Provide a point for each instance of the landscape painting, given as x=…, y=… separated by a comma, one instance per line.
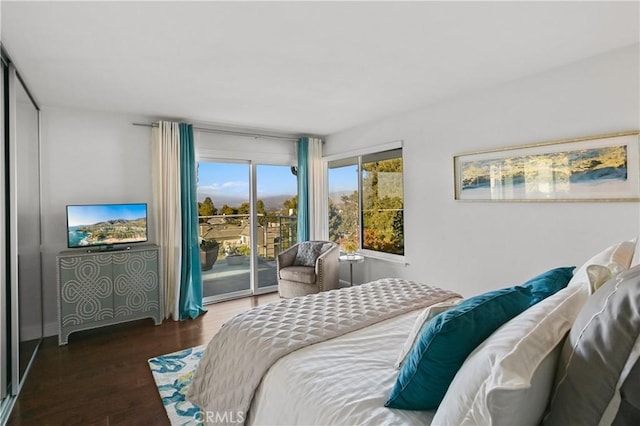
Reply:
x=587, y=169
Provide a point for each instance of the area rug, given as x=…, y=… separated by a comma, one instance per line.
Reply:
x=173, y=373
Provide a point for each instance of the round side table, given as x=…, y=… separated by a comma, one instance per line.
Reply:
x=351, y=259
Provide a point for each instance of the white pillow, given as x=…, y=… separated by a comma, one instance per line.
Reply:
x=425, y=316
x=598, y=275
x=506, y=380
x=620, y=254
x=636, y=256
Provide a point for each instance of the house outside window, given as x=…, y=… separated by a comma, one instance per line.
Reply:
x=366, y=202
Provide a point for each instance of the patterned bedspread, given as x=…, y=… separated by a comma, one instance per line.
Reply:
x=244, y=349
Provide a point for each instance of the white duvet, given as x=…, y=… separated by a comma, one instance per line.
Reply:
x=237, y=358
x=343, y=381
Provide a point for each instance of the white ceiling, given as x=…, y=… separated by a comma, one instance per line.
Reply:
x=303, y=67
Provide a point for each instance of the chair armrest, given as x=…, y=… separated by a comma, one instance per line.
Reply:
x=287, y=257
x=327, y=269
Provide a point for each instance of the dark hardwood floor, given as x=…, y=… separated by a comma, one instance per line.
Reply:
x=102, y=377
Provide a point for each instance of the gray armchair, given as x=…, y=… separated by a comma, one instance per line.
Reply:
x=308, y=267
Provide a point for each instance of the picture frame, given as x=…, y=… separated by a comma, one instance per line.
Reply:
x=594, y=168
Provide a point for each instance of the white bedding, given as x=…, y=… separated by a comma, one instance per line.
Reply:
x=242, y=352
x=315, y=386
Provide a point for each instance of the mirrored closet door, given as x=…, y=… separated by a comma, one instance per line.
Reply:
x=5, y=311
x=21, y=322
x=24, y=194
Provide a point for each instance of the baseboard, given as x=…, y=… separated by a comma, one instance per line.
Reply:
x=50, y=329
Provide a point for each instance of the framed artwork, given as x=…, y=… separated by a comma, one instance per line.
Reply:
x=596, y=168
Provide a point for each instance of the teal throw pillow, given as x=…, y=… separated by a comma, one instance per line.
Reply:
x=549, y=283
x=446, y=341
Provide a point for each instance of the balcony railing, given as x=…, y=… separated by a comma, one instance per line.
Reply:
x=275, y=233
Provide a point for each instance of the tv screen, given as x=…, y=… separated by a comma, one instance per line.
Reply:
x=106, y=224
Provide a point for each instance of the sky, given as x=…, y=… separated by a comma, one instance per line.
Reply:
x=90, y=214
x=232, y=180
x=343, y=179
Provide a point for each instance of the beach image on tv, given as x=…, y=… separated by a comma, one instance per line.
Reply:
x=92, y=225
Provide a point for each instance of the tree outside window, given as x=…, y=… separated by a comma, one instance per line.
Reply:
x=373, y=220
x=382, y=202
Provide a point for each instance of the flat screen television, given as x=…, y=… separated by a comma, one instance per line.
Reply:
x=106, y=225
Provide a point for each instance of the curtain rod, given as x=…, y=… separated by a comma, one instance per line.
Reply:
x=228, y=132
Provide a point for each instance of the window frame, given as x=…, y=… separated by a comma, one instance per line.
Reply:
x=358, y=154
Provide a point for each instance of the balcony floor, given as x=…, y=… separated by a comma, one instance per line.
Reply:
x=223, y=278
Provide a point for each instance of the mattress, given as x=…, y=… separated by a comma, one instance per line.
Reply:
x=342, y=381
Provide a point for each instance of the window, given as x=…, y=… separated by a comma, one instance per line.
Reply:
x=366, y=202
x=344, y=216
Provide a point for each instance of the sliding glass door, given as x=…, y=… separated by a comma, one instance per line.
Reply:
x=224, y=201
x=277, y=199
x=247, y=216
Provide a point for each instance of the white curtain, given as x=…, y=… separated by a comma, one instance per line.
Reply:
x=166, y=206
x=318, y=198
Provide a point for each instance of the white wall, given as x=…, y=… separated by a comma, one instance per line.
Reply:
x=473, y=247
x=87, y=157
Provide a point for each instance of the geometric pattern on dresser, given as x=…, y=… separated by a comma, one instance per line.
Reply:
x=87, y=289
x=135, y=282
x=100, y=289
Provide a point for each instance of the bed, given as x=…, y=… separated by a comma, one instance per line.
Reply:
x=340, y=357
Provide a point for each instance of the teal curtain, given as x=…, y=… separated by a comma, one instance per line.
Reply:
x=190, y=305
x=303, y=189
